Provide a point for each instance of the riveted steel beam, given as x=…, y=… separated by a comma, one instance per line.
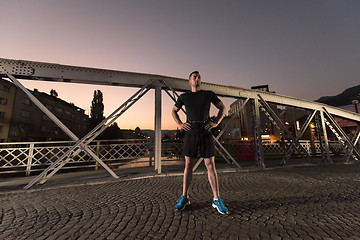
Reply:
x=64, y=73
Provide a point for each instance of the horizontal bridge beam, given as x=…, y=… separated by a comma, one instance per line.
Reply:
x=65, y=73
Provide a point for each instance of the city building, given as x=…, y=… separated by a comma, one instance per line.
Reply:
x=7, y=97
x=242, y=124
x=24, y=121
x=292, y=119
x=243, y=128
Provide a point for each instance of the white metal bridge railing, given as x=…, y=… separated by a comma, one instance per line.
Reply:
x=33, y=156
x=30, y=156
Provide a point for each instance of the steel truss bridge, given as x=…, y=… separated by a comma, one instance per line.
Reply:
x=323, y=115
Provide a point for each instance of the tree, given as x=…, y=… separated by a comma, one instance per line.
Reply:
x=53, y=93
x=137, y=130
x=96, y=109
x=112, y=132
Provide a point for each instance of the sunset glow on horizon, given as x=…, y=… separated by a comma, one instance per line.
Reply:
x=303, y=49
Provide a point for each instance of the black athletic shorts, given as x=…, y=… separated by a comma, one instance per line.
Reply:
x=199, y=143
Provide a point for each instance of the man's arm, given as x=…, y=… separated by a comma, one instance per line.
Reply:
x=219, y=116
x=175, y=115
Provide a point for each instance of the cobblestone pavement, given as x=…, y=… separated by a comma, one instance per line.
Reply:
x=317, y=202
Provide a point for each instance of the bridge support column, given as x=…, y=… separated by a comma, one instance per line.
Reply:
x=259, y=149
x=327, y=158
x=158, y=129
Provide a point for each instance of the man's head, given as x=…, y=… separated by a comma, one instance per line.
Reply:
x=195, y=78
x=194, y=72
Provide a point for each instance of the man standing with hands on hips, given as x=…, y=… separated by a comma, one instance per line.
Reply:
x=198, y=138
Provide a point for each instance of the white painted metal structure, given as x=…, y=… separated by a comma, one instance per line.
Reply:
x=28, y=157
x=18, y=69
x=17, y=157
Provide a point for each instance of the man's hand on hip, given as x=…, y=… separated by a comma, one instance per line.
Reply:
x=210, y=125
x=185, y=126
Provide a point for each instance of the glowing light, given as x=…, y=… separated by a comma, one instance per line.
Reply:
x=267, y=136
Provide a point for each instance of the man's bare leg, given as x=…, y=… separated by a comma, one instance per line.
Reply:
x=212, y=176
x=218, y=204
x=188, y=173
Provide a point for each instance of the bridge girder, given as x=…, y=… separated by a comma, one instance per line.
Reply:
x=64, y=73
x=28, y=70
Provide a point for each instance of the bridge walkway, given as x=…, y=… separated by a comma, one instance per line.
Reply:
x=298, y=202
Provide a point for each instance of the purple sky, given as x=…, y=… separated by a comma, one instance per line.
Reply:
x=305, y=49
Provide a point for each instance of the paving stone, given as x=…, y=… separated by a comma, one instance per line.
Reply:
x=314, y=202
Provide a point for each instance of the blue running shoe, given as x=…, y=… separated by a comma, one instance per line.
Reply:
x=220, y=206
x=182, y=202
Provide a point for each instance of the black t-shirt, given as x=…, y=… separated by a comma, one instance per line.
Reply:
x=197, y=105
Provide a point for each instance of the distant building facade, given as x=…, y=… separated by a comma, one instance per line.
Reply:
x=243, y=124
x=24, y=121
x=7, y=97
x=241, y=127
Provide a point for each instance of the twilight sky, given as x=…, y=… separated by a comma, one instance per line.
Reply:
x=301, y=48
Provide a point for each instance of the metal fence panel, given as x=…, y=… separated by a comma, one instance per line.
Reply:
x=20, y=157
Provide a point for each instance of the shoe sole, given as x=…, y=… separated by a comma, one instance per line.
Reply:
x=216, y=207
x=179, y=210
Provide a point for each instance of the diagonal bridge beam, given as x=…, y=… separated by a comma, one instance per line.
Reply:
x=341, y=135
x=355, y=141
x=306, y=124
x=61, y=125
x=81, y=144
x=294, y=142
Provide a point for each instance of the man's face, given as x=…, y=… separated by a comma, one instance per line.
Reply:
x=195, y=79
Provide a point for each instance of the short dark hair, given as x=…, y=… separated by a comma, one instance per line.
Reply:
x=194, y=72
